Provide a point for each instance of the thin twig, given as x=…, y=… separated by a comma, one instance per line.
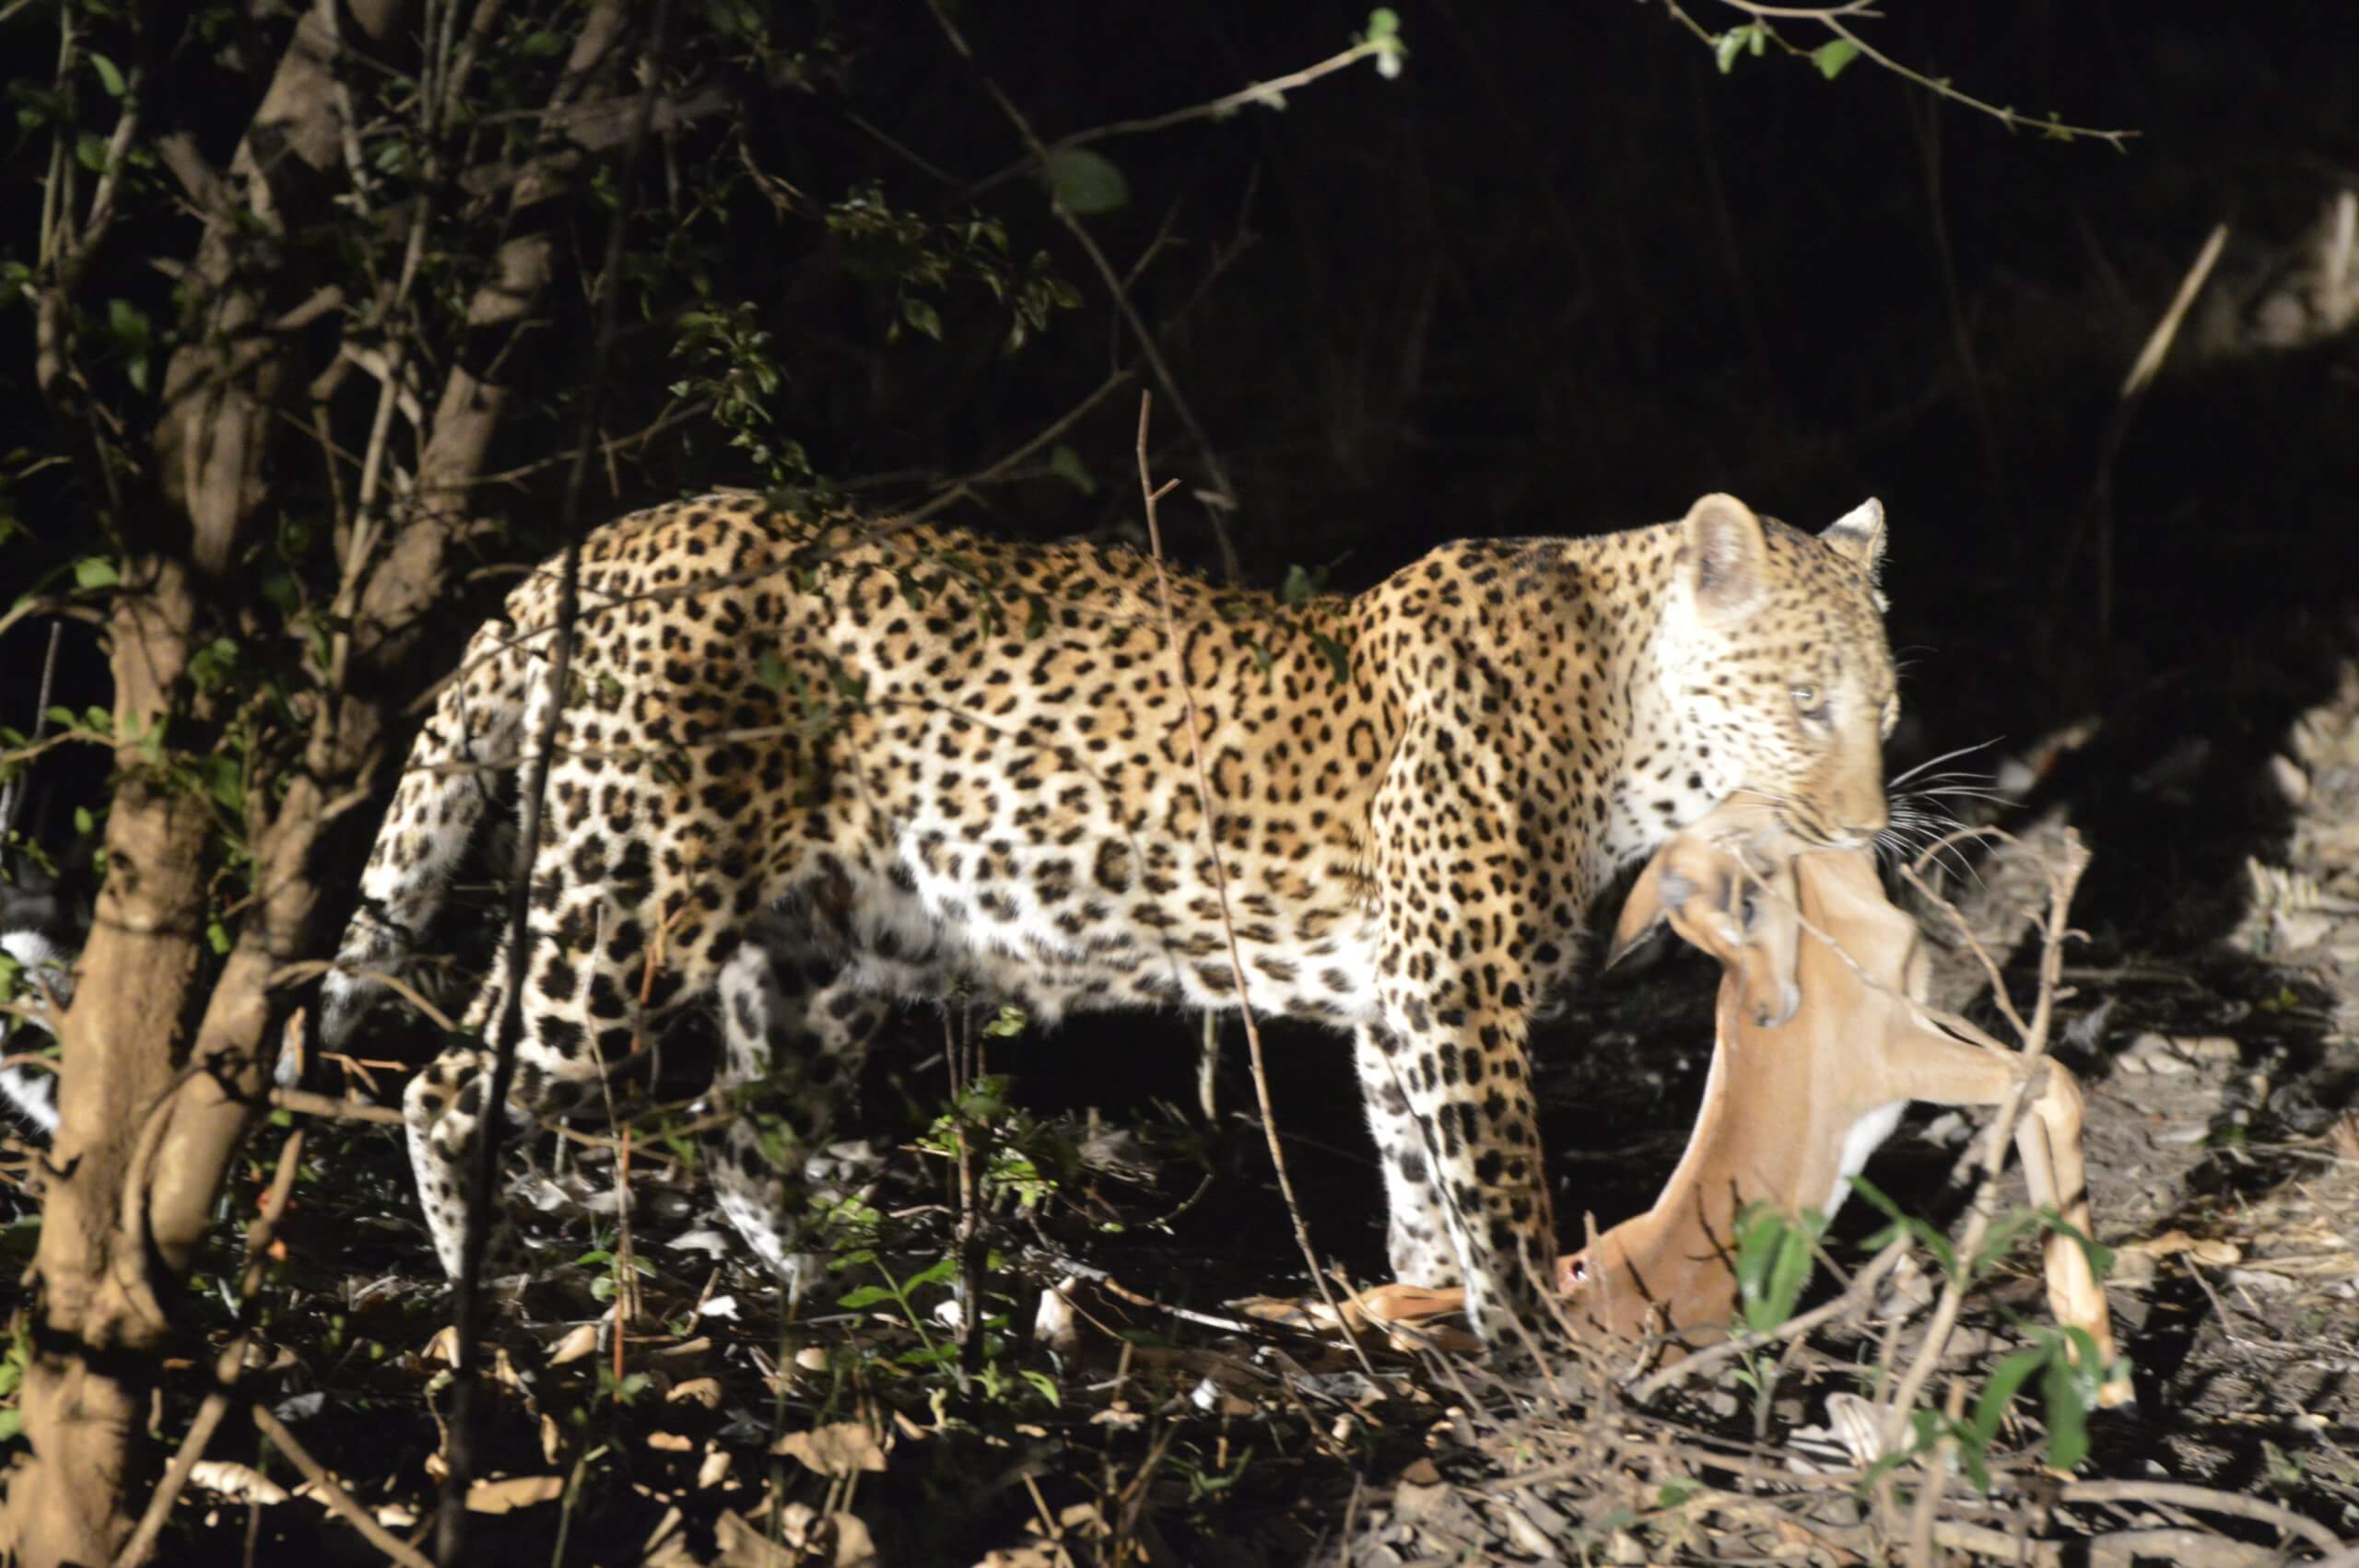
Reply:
x=338, y=1500
x=2062, y=881
x=962, y=488
x=229, y=1364
x=12, y=797
x=1861, y=1292
x=1226, y=500
x=1830, y=18
x=304, y=1102
x=1270, y=92
x=1172, y=643
x=467, y=1411
x=2179, y=1494
x=2098, y=513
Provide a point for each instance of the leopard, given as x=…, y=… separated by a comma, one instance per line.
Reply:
x=807, y=766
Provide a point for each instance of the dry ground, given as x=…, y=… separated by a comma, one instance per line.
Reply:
x=1141, y=1419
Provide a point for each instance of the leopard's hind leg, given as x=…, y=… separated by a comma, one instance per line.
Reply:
x=795, y=1025
x=582, y=1004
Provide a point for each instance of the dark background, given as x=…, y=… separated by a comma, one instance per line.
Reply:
x=1561, y=275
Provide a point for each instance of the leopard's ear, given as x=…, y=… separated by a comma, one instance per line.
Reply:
x=1727, y=559
x=1858, y=536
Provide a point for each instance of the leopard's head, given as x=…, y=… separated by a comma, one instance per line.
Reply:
x=1778, y=674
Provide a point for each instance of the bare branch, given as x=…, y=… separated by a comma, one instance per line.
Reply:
x=1151, y=492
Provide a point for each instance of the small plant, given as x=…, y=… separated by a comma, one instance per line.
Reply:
x=608, y=1284
x=2066, y=1361
x=1773, y=1264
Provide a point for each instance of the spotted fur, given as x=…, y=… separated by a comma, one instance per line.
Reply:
x=820, y=765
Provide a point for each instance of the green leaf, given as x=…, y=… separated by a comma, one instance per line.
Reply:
x=1773, y=1263
x=922, y=316
x=932, y=1355
x=110, y=78
x=91, y=151
x=1045, y=1383
x=1083, y=182
x=2068, y=1416
x=1303, y=583
x=1727, y=47
x=867, y=1295
x=1833, y=55
x=1339, y=658
x=1675, y=1494
x=1997, y=1393
x=2000, y=1239
x=542, y=45
x=216, y=936
x=1917, y=1230
x=1066, y=464
x=96, y=571
x=934, y=1273
x=1383, y=23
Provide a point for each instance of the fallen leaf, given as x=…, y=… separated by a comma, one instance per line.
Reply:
x=670, y=1442
x=2218, y=1254
x=705, y=1391
x=579, y=1342
x=745, y=1546
x=2262, y=1281
x=231, y=1478
x=839, y=1448
x=508, y=1494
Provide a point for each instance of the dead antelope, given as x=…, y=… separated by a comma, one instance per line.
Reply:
x=1822, y=1043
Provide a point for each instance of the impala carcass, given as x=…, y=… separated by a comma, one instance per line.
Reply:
x=1822, y=1041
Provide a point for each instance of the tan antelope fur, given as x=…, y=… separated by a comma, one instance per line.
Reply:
x=1822, y=1041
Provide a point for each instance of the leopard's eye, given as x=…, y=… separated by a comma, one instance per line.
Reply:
x=1811, y=703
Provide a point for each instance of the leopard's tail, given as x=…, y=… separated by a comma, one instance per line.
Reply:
x=455, y=768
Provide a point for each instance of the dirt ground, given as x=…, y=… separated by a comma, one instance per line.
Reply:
x=1119, y=1408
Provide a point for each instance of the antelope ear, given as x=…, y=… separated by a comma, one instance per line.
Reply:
x=1644, y=910
x=1727, y=557
x=1858, y=536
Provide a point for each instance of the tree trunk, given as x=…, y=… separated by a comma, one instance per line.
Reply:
x=98, y=1322
x=149, y=1121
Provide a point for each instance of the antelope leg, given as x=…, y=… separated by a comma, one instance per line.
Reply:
x=1927, y=1065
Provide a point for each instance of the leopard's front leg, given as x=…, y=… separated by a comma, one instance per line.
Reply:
x=1461, y=1071
x=1469, y=894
